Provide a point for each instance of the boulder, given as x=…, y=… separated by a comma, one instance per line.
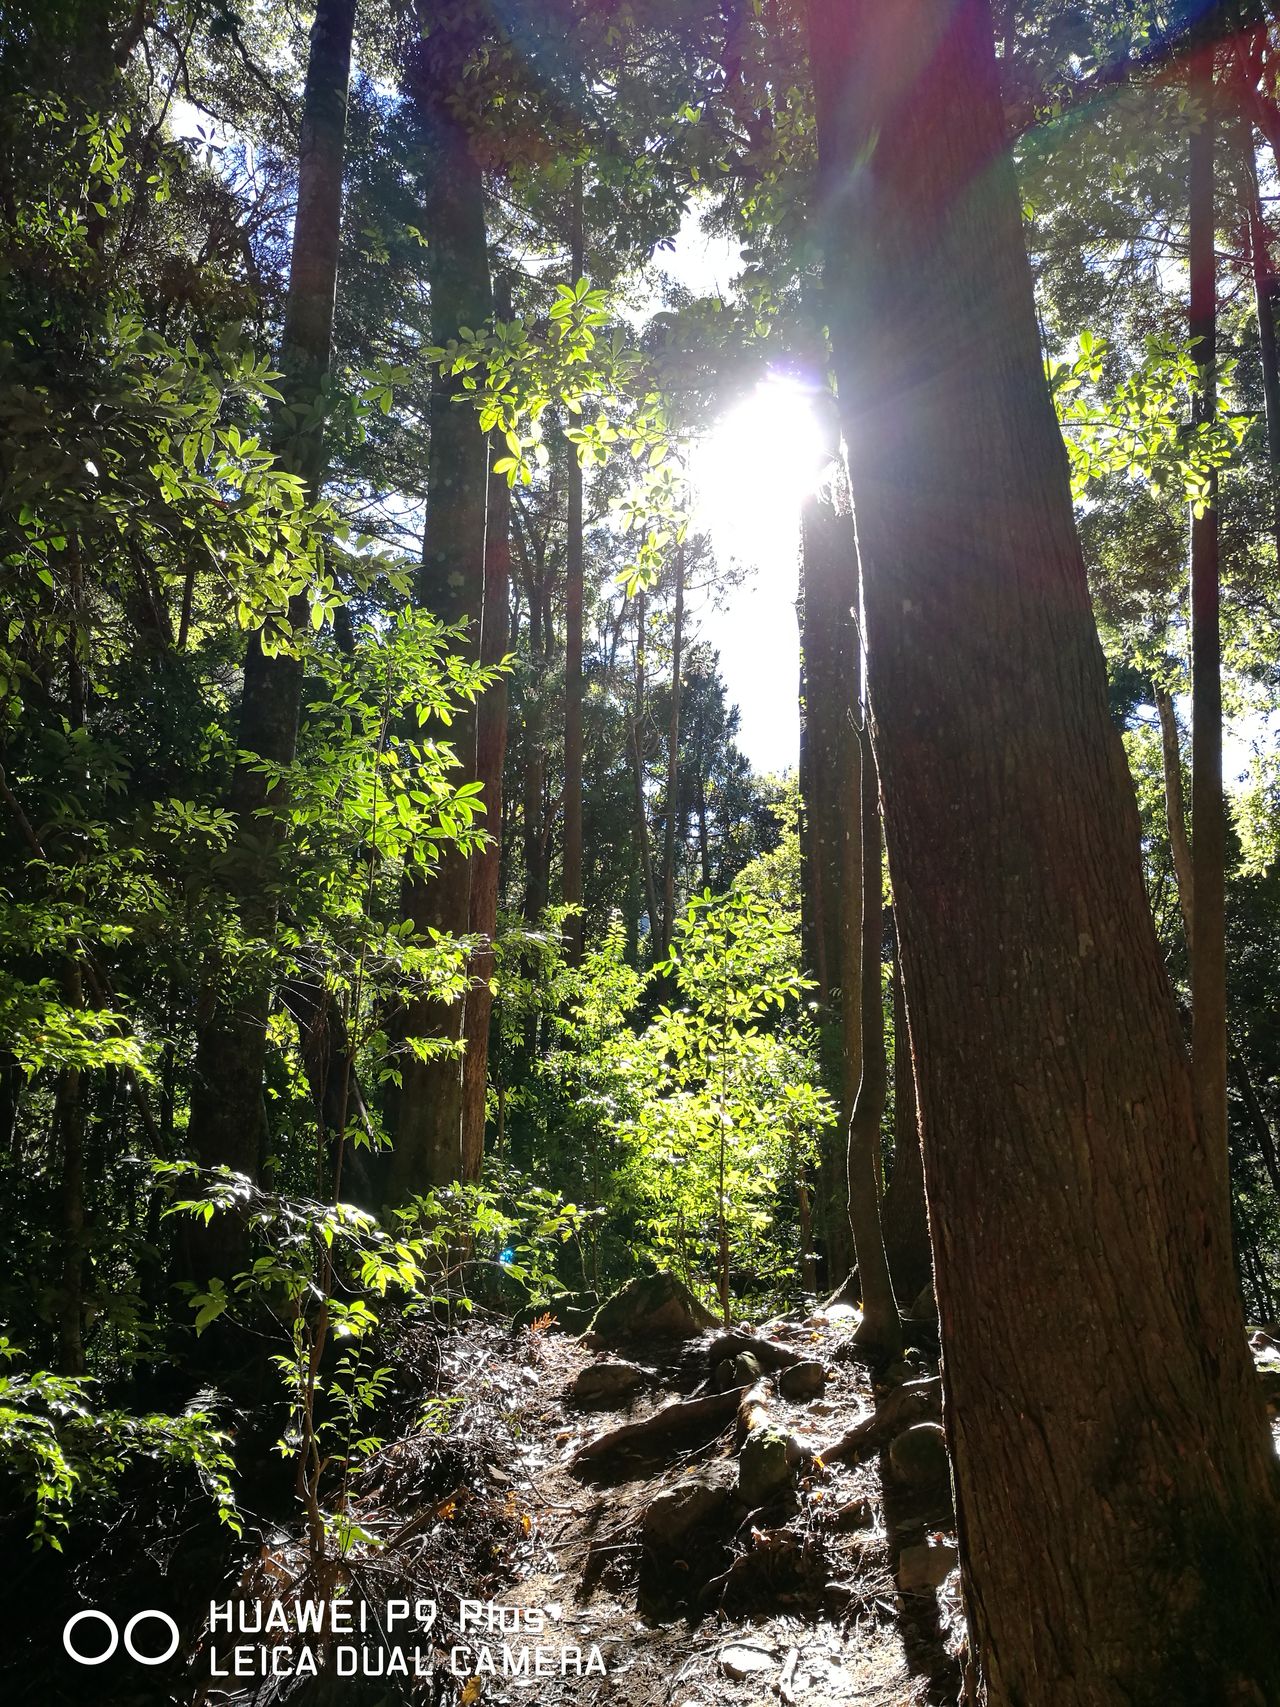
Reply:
x=926, y=1566
x=918, y=1460
x=611, y=1383
x=924, y=1307
x=655, y=1306
x=681, y=1509
x=802, y=1381
x=766, y=1465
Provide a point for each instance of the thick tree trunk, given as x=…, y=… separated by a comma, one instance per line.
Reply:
x=228, y=1117
x=1116, y=1487
x=573, y=685
x=903, y=1215
x=1175, y=811
x=451, y=580
x=1208, y=813
x=673, y=765
x=491, y=749
x=831, y=856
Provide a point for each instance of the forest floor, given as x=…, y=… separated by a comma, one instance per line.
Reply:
x=639, y=1563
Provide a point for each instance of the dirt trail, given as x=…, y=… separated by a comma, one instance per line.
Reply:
x=795, y=1601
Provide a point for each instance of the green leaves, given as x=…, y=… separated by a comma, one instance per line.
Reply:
x=1141, y=425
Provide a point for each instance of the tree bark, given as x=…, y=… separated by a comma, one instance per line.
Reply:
x=830, y=848
x=451, y=581
x=1113, y=1470
x=228, y=1115
x=1175, y=811
x=491, y=748
x=573, y=684
x=1208, y=813
x=673, y=765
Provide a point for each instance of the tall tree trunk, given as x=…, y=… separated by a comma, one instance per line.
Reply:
x=1264, y=287
x=451, y=581
x=491, y=748
x=673, y=765
x=228, y=1116
x=903, y=1214
x=831, y=856
x=1128, y=1486
x=1208, y=814
x=573, y=644
x=1175, y=811
x=637, y=772
x=68, y=1119
x=880, y=1331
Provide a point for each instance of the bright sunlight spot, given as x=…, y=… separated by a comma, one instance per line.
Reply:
x=754, y=469
x=751, y=474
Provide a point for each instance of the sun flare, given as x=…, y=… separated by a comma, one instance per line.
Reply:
x=756, y=467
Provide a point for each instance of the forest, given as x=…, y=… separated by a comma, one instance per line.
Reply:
x=640, y=808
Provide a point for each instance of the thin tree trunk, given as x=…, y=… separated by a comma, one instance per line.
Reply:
x=228, y=1115
x=491, y=748
x=573, y=685
x=1113, y=1470
x=451, y=581
x=903, y=1214
x=831, y=858
x=637, y=763
x=1258, y=1120
x=1175, y=811
x=1208, y=815
x=880, y=1331
x=68, y=1120
x=1264, y=284
x=673, y=765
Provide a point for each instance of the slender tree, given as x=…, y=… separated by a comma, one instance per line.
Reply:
x=573, y=685
x=1208, y=813
x=1116, y=1487
x=491, y=747
x=673, y=763
x=831, y=824
x=903, y=1214
x=228, y=1118
x=880, y=1330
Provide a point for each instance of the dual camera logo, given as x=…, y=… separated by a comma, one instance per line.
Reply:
x=76, y=1640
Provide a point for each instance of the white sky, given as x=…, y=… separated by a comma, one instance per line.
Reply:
x=749, y=502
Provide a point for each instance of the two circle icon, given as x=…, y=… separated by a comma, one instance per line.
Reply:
x=114, y=1636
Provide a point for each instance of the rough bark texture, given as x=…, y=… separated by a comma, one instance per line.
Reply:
x=903, y=1215
x=228, y=1117
x=830, y=846
x=573, y=686
x=1208, y=813
x=491, y=749
x=1116, y=1486
x=451, y=580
